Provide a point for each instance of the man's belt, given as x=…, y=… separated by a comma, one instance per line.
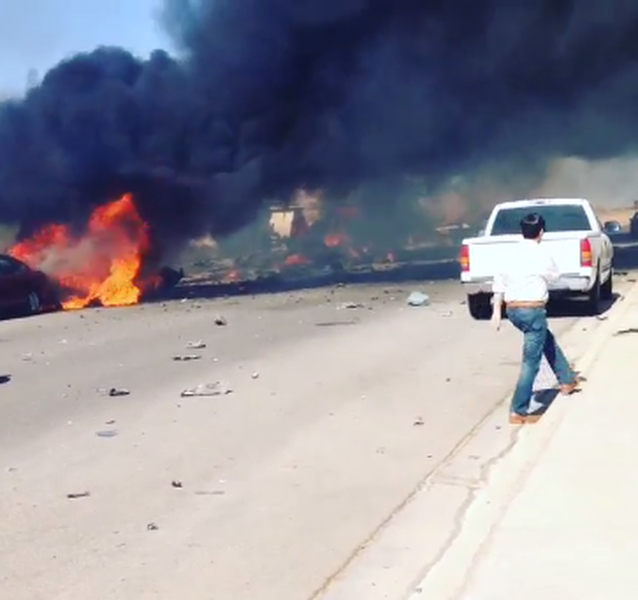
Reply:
x=526, y=304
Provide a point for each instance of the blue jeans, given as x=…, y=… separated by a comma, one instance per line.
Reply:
x=537, y=340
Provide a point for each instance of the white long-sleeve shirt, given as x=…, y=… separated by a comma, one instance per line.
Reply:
x=524, y=273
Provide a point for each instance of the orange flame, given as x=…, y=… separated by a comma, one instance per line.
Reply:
x=296, y=260
x=332, y=240
x=99, y=266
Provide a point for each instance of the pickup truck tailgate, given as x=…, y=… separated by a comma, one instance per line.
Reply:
x=486, y=254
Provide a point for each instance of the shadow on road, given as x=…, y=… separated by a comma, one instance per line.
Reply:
x=543, y=399
x=5, y=379
x=577, y=307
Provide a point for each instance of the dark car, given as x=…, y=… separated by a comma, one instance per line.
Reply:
x=24, y=290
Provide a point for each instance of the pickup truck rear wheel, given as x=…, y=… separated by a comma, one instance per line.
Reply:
x=607, y=288
x=480, y=306
x=594, y=297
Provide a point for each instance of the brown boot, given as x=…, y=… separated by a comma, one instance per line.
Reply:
x=567, y=389
x=531, y=419
x=516, y=419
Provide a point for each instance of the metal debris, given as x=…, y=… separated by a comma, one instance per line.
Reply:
x=106, y=433
x=76, y=495
x=199, y=345
x=351, y=305
x=186, y=357
x=114, y=392
x=217, y=388
x=626, y=331
x=220, y=320
x=418, y=299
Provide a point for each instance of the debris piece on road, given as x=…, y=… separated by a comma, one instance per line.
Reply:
x=351, y=305
x=106, y=433
x=152, y=527
x=255, y=375
x=217, y=388
x=199, y=345
x=114, y=392
x=186, y=357
x=211, y=493
x=76, y=495
x=418, y=299
x=447, y=313
x=626, y=331
x=177, y=484
x=220, y=321
x=418, y=422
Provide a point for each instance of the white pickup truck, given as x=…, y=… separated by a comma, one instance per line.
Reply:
x=576, y=238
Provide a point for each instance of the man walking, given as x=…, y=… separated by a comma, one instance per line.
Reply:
x=523, y=285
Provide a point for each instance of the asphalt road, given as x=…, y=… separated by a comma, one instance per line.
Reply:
x=336, y=414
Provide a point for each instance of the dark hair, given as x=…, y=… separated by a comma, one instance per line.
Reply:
x=532, y=225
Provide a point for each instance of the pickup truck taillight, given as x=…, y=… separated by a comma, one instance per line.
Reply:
x=464, y=258
x=585, y=253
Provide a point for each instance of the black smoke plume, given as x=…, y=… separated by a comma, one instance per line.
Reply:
x=270, y=95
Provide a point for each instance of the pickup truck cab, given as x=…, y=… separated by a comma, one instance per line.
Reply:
x=575, y=237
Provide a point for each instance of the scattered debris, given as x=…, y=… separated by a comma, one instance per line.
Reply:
x=626, y=331
x=418, y=299
x=110, y=422
x=186, y=357
x=113, y=392
x=152, y=527
x=177, y=484
x=27, y=357
x=106, y=433
x=199, y=345
x=221, y=321
x=418, y=422
x=76, y=495
x=351, y=305
x=255, y=375
x=216, y=388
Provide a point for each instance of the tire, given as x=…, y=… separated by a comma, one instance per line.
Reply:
x=480, y=306
x=594, y=297
x=607, y=288
x=34, y=303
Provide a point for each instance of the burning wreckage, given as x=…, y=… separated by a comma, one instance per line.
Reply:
x=110, y=261
x=104, y=265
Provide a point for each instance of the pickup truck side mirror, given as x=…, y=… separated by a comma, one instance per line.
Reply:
x=612, y=227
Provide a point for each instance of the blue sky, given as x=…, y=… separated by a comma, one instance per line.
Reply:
x=36, y=34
